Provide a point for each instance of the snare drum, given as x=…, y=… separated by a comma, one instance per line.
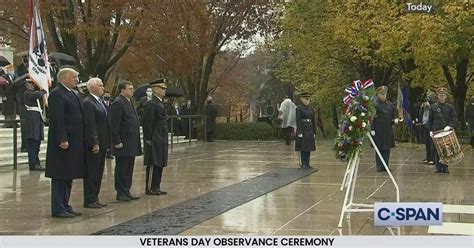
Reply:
x=447, y=145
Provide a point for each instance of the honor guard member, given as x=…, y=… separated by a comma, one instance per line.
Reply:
x=305, y=130
x=155, y=134
x=34, y=127
x=382, y=131
x=442, y=117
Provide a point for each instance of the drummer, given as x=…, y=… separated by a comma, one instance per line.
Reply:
x=442, y=118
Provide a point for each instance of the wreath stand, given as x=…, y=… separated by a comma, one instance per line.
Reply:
x=349, y=182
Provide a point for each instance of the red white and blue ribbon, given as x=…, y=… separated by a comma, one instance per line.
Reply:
x=354, y=90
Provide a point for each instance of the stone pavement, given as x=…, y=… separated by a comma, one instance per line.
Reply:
x=308, y=206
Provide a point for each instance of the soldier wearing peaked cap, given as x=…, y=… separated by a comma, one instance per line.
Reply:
x=305, y=130
x=382, y=132
x=442, y=117
x=155, y=135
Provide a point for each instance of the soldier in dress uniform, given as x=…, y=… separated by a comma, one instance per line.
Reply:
x=442, y=117
x=305, y=130
x=155, y=135
x=34, y=127
x=382, y=131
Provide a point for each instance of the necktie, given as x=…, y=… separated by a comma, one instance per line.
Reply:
x=102, y=103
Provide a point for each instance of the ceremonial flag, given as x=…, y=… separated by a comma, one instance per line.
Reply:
x=38, y=57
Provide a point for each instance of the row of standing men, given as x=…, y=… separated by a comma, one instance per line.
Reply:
x=82, y=130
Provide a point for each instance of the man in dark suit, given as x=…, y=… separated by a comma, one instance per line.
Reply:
x=211, y=113
x=97, y=141
x=65, y=158
x=155, y=134
x=143, y=101
x=125, y=131
x=34, y=127
x=188, y=110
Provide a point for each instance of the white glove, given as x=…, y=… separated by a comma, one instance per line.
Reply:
x=372, y=133
x=447, y=128
x=431, y=134
x=467, y=124
x=396, y=121
x=300, y=135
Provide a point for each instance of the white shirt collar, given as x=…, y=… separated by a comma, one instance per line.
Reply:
x=65, y=87
x=96, y=97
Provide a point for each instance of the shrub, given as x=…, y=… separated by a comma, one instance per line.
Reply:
x=244, y=131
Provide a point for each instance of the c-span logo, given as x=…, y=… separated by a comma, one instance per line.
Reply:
x=408, y=213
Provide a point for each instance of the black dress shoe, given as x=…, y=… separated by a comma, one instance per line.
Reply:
x=162, y=192
x=150, y=192
x=132, y=197
x=37, y=168
x=76, y=213
x=64, y=215
x=123, y=198
x=102, y=204
x=93, y=205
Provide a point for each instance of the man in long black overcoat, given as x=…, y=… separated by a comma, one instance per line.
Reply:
x=125, y=132
x=97, y=141
x=65, y=158
x=155, y=134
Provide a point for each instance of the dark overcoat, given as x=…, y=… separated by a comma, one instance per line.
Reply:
x=211, y=114
x=125, y=128
x=96, y=122
x=66, y=123
x=155, y=129
x=382, y=124
x=306, y=126
x=34, y=127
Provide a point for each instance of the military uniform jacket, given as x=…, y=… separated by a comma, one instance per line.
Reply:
x=124, y=128
x=382, y=124
x=155, y=130
x=66, y=123
x=34, y=127
x=442, y=115
x=305, y=125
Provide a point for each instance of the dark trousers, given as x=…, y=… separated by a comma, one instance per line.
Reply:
x=95, y=170
x=33, y=150
x=305, y=156
x=472, y=141
x=428, y=144
x=386, y=158
x=440, y=167
x=60, y=193
x=24, y=142
x=287, y=134
x=123, y=174
x=153, y=178
x=209, y=136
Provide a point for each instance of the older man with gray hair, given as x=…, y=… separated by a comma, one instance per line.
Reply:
x=97, y=141
x=65, y=158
